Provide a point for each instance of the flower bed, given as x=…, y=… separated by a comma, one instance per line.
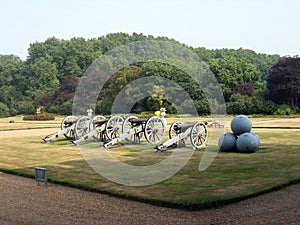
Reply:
x=39, y=117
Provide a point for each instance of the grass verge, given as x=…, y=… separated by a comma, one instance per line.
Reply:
x=231, y=177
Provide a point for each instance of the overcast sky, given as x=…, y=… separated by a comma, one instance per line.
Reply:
x=265, y=26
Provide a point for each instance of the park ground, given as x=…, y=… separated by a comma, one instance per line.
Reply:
x=23, y=202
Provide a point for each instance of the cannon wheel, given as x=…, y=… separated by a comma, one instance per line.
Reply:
x=67, y=121
x=154, y=130
x=173, y=132
x=127, y=126
x=93, y=126
x=82, y=126
x=199, y=135
x=114, y=127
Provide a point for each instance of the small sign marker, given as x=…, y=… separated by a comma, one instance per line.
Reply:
x=41, y=175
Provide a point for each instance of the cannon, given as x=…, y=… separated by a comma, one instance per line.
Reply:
x=133, y=129
x=99, y=128
x=75, y=128
x=180, y=131
x=67, y=129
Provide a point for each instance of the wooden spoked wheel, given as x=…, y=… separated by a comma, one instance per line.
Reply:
x=95, y=122
x=114, y=127
x=82, y=126
x=199, y=135
x=154, y=130
x=67, y=122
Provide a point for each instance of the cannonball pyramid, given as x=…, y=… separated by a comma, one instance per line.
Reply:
x=241, y=139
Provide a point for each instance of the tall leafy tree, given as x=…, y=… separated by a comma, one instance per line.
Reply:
x=10, y=69
x=231, y=72
x=10, y=80
x=42, y=75
x=262, y=62
x=67, y=89
x=119, y=80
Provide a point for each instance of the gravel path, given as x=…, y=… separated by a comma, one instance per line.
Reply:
x=23, y=202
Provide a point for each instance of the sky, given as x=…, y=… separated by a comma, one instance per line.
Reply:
x=265, y=26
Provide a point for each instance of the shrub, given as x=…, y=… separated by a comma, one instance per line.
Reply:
x=103, y=107
x=25, y=107
x=242, y=104
x=4, y=110
x=239, y=104
x=65, y=108
x=51, y=108
x=284, y=110
x=202, y=106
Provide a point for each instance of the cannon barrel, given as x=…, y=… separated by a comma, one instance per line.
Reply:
x=69, y=123
x=138, y=121
x=182, y=127
x=99, y=123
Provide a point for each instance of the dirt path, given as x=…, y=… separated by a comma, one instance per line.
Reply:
x=23, y=202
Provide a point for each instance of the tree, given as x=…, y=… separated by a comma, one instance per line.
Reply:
x=118, y=81
x=231, y=72
x=42, y=100
x=262, y=62
x=244, y=89
x=40, y=79
x=10, y=80
x=10, y=67
x=67, y=89
x=284, y=82
x=42, y=75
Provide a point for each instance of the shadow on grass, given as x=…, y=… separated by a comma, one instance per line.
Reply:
x=228, y=167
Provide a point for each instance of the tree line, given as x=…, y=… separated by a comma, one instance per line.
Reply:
x=251, y=82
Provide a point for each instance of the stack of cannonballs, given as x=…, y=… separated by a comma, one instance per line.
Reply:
x=241, y=139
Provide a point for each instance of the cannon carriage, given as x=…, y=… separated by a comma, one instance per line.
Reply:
x=117, y=129
x=134, y=128
x=100, y=128
x=67, y=129
x=82, y=128
x=180, y=131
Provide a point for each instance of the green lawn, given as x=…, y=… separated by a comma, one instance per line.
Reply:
x=231, y=176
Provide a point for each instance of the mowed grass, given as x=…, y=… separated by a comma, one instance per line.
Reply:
x=16, y=123
x=231, y=176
